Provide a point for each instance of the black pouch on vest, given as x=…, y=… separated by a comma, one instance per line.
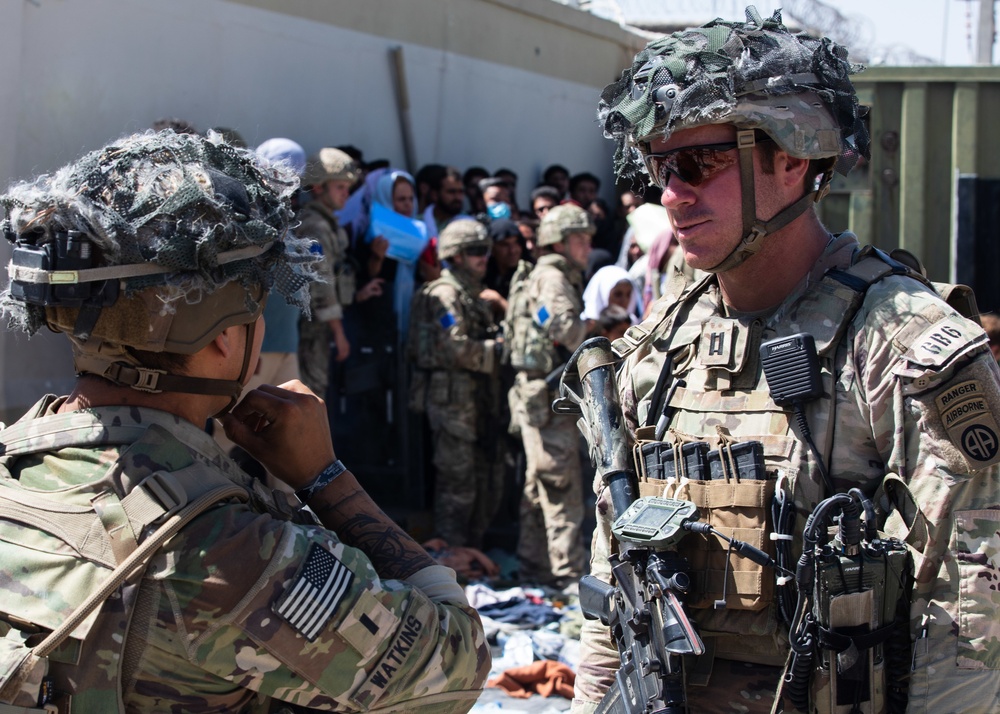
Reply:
x=662, y=460
x=742, y=461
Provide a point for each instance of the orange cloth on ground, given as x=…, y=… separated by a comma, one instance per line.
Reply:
x=545, y=677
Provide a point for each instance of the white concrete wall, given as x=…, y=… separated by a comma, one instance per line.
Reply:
x=78, y=73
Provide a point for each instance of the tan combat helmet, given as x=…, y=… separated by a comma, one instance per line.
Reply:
x=562, y=221
x=460, y=234
x=329, y=165
x=756, y=75
x=154, y=243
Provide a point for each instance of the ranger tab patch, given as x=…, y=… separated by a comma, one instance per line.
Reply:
x=970, y=424
x=313, y=596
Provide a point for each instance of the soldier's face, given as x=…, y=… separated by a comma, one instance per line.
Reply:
x=707, y=218
x=474, y=264
x=578, y=248
x=334, y=194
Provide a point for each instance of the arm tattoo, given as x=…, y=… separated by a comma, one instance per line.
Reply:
x=392, y=552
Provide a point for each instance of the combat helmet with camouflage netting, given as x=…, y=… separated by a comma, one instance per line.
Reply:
x=562, y=221
x=155, y=243
x=755, y=75
x=461, y=234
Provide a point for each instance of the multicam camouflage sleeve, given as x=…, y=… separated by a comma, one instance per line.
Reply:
x=931, y=390
x=325, y=301
x=291, y=613
x=562, y=303
x=455, y=346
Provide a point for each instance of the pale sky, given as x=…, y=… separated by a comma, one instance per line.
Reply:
x=937, y=29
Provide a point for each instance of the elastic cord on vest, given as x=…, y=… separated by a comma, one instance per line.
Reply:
x=754, y=230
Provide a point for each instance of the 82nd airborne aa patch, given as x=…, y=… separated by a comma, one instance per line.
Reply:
x=971, y=426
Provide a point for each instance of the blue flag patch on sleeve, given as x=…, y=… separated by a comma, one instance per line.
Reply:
x=542, y=316
x=312, y=598
x=447, y=320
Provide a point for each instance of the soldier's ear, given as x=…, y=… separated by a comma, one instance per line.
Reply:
x=790, y=170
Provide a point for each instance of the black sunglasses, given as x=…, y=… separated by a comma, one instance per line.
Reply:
x=476, y=251
x=694, y=165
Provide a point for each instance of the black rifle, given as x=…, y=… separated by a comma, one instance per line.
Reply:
x=643, y=609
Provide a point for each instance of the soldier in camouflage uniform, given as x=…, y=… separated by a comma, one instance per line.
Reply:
x=453, y=345
x=174, y=242
x=329, y=175
x=544, y=327
x=736, y=121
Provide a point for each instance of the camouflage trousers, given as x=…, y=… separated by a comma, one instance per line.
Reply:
x=468, y=487
x=314, y=356
x=549, y=549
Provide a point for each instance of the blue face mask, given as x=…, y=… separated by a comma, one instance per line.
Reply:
x=498, y=211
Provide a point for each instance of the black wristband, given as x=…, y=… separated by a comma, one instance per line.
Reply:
x=324, y=479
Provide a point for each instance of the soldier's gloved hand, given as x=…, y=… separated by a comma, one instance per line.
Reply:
x=286, y=429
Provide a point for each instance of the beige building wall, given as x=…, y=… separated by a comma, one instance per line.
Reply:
x=490, y=82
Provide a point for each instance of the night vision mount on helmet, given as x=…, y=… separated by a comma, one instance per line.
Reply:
x=155, y=243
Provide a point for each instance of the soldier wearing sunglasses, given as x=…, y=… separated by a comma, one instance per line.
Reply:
x=742, y=125
x=453, y=344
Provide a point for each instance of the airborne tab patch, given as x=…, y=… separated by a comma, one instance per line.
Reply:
x=312, y=598
x=970, y=424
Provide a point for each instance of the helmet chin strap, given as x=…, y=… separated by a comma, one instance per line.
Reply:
x=121, y=368
x=754, y=229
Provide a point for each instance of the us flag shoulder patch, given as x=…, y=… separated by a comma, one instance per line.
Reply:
x=311, y=599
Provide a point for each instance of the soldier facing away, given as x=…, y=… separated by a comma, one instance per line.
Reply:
x=544, y=325
x=742, y=125
x=454, y=347
x=174, y=242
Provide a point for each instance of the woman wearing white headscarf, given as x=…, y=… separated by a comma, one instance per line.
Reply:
x=611, y=285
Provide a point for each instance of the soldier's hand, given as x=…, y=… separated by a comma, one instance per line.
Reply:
x=286, y=429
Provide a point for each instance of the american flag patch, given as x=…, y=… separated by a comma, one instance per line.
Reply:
x=313, y=596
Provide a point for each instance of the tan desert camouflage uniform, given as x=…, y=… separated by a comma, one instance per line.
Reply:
x=452, y=342
x=327, y=299
x=223, y=617
x=549, y=547
x=915, y=393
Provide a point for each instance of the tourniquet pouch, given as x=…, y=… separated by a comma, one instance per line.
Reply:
x=735, y=505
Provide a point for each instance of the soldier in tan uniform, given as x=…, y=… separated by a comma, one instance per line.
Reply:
x=742, y=125
x=544, y=326
x=329, y=175
x=454, y=347
x=209, y=592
